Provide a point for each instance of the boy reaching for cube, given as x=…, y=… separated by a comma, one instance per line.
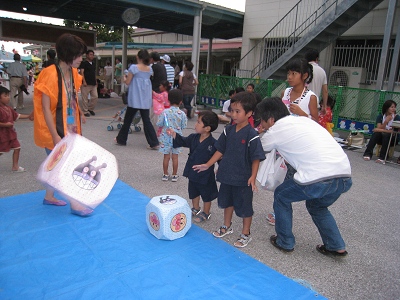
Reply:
x=201, y=147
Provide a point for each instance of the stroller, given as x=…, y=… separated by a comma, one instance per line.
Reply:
x=119, y=119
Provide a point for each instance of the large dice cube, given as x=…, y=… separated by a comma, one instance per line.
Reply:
x=168, y=217
x=80, y=170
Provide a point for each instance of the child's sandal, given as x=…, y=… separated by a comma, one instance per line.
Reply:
x=242, y=241
x=201, y=217
x=195, y=212
x=223, y=231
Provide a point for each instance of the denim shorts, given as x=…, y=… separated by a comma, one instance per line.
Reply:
x=208, y=192
x=240, y=197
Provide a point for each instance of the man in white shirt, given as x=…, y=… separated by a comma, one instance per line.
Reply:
x=18, y=77
x=323, y=173
x=319, y=82
x=108, y=69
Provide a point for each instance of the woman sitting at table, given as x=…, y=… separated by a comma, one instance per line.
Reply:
x=383, y=131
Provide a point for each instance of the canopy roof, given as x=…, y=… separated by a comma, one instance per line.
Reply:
x=171, y=16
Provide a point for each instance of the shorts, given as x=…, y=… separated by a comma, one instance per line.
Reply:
x=9, y=145
x=240, y=197
x=208, y=192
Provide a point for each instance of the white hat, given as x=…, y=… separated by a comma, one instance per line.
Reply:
x=166, y=58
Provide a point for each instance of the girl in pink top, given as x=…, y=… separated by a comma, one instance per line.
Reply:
x=160, y=101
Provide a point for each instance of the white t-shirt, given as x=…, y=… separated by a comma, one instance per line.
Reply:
x=319, y=79
x=183, y=74
x=225, y=108
x=108, y=70
x=309, y=148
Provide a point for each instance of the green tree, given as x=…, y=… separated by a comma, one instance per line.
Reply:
x=104, y=34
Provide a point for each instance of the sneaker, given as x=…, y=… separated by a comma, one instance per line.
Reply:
x=175, y=178
x=87, y=115
x=367, y=158
x=92, y=112
x=242, y=241
x=165, y=177
x=223, y=231
x=380, y=161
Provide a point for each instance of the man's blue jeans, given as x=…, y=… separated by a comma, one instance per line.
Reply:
x=318, y=196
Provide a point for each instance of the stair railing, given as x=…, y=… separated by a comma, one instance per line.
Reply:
x=301, y=19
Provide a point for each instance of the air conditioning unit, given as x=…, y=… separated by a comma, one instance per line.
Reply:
x=353, y=105
x=344, y=76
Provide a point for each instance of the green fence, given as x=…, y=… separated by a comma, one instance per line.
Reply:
x=354, y=108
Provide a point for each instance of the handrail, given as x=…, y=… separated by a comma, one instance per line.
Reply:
x=306, y=15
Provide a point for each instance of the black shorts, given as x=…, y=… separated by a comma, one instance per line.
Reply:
x=240, y=197
x=208, y=192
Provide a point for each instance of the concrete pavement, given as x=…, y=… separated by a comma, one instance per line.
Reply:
x=368, y=215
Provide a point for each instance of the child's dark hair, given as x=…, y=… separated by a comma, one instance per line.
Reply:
x=209, y=118
x=252, y=85
x=272, y=108
x=301, y=66
x=247, y=100
x=166, y=85
x=331, y=102
x=4, y=90
x=175, y=97
x=231, y=92
x=387, y=105
x=144, y=56
x=239, y=89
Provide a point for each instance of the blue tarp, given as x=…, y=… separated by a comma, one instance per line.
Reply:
x=48, y=253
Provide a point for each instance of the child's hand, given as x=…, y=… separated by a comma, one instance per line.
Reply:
x=31, y=116
x=252, y=182
x=8, y=124
x=200, y=168
x=171, y=132
x=295, y=109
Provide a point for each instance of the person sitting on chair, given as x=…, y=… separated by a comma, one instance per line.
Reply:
x=382, y=132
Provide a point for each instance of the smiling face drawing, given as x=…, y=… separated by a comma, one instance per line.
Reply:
x=178, y=222
x=154, y=221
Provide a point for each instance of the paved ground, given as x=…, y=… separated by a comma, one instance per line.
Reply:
x=368, y=215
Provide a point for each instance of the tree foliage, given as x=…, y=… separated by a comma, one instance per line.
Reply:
x=104, y=33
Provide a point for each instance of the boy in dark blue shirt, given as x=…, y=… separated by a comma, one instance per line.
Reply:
x=201, y=145
x=240, y=151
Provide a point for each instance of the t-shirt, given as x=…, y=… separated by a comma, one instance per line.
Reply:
x=309, y=148
x=159, y=75
x=199, y=153
x=118, y=69
x=170, y=73
x=319, y=79
x=226, y=106
x=89, y=72
x=108, y=70
x=239, y=150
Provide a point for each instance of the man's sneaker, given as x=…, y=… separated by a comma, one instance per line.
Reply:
x=242, y=241
x=92, y=112
x=174, y=178
x=165, y=177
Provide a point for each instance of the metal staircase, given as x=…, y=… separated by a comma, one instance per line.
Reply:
x=309, y=24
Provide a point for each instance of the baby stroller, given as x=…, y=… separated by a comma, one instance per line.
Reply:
x=119, y=119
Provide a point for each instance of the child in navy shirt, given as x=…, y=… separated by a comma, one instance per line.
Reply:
x=201, y=145
x=240, y=151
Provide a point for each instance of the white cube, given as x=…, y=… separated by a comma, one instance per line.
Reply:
x=80, y=170
x=168, y=217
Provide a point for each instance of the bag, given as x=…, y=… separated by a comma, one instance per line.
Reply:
x=125, y=97
x=272, y=171
x=355, y=139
